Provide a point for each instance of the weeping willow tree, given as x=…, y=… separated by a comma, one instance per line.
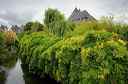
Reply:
x=56, y=22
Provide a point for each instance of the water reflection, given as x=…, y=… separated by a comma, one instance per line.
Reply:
x=13, y=72
x=15, y=75
x=31, y=78
x=2, y=76
x=7, y=61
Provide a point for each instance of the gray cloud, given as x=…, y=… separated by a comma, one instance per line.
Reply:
x=16, y=18
x=21, y=11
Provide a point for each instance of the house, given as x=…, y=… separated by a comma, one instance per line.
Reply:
x=3, y=28
x=13, y=28
x=79, y=15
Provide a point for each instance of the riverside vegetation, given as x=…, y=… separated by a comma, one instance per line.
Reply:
x=91, y=52
x=7, y=57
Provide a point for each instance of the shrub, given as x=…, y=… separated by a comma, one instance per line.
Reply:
x=10, y=37
x=33, y=27
x=93, y=57
x=1, y=40
x=7, y=59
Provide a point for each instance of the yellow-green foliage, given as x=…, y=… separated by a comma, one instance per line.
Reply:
x=7, y=59
x=10, y=37
x=91, y=54
x=35, y=41
x=1, y=39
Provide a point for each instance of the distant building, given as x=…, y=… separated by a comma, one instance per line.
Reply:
x=16, y=28
x=13, y=28
x=79, y=15
x=3, y=28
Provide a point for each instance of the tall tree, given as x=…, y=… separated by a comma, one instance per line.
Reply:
x=37, y=26
x=52, y=15
x=56, y=22
x=33, y=26
x=27, y=26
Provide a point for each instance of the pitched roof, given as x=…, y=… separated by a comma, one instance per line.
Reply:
x=78, y=15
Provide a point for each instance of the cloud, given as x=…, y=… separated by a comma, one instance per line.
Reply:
x=2, y=21
x=16, y=18
x=21, y=11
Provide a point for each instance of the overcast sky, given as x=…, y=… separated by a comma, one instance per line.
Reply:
x=21, y=11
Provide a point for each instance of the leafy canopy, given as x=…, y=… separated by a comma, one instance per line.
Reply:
x=33, y=26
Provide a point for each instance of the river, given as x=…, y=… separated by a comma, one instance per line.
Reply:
x=15, y=75
x=12, y=73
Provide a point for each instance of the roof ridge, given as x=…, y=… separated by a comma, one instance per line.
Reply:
x=80, y=15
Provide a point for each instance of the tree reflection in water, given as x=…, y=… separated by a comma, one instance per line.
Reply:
x=31, y=78
x=7, y=61
x=2, y=76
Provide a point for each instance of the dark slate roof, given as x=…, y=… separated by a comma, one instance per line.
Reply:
x=78, y=15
